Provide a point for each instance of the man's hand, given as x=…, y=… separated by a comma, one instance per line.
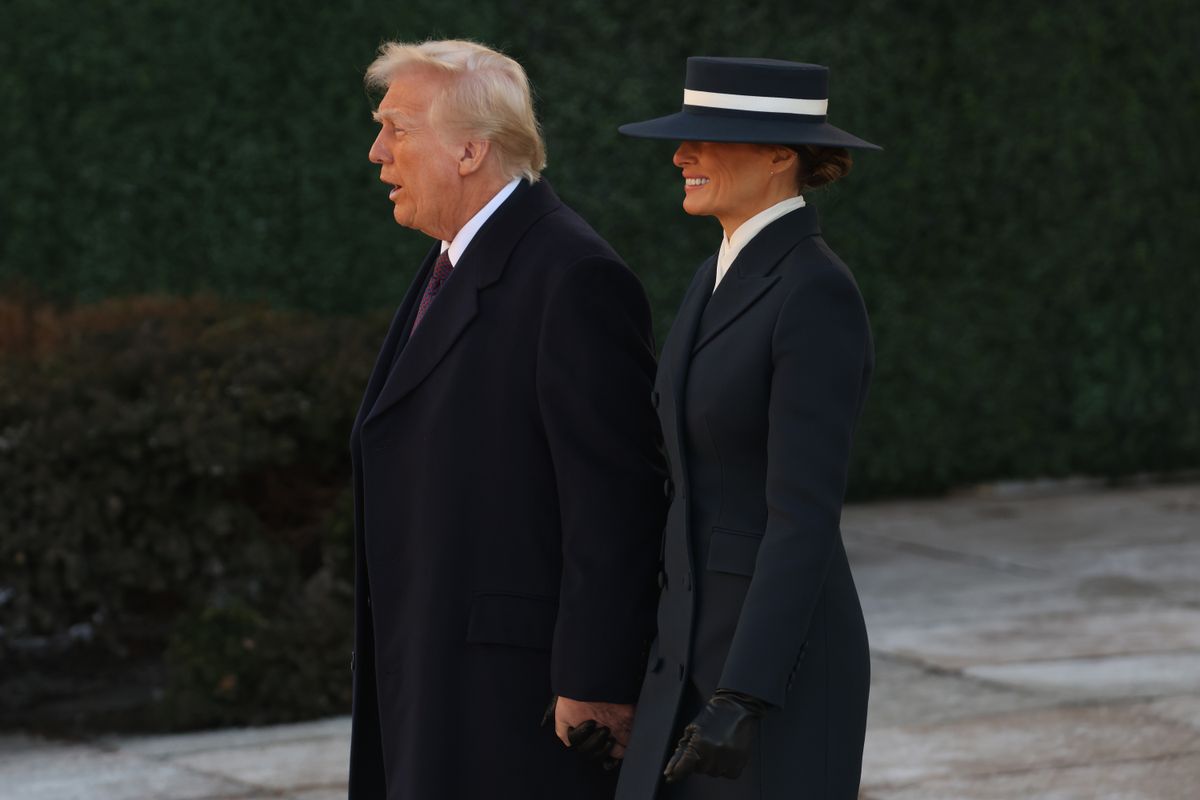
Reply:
x=718, y=740
x=571, y=715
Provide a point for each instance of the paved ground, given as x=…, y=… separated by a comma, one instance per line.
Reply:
x=1026, y=645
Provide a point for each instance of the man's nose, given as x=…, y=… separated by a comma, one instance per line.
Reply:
x=379, y=153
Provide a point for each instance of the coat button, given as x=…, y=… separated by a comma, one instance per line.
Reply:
x=654, y=399
x=662, y=579
x=668, y=489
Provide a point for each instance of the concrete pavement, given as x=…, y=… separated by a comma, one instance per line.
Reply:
x=1033, y=646
x=1028, y=643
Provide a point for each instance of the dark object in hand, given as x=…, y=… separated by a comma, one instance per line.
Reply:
x=593, y=742
x=718, y=740
x=589, y=740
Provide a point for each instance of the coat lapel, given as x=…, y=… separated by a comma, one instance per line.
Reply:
x=456, y=306
x=397, y=336
x=683, y=331
x=749, y=275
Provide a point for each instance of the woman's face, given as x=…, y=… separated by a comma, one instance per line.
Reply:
x=732, y=181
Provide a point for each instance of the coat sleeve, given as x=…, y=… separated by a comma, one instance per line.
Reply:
x=595, y=372
x=821, y=355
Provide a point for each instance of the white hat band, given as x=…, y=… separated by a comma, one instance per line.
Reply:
x=750, y=102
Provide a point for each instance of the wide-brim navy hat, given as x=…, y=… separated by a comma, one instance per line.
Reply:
x=759, y=100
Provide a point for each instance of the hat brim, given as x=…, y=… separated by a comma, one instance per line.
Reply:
x=688, y=126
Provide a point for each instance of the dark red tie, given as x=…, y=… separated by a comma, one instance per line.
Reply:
x=441, y=271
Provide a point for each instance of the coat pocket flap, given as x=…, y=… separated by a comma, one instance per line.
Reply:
x=733, y=551
x=513, y=620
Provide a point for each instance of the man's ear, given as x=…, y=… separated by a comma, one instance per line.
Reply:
x=473, y=155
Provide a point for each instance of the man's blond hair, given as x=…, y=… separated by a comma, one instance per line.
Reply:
x=487, y=97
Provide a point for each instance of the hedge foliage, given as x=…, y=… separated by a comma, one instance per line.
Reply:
x=175, y=487
x=1023, y=243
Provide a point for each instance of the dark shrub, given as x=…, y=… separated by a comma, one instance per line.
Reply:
x=172, y=471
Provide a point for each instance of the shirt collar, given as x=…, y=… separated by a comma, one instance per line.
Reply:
x=748, y=229
x=468, y=231
x=732, y=245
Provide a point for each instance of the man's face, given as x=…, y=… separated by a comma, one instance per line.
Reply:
x=416, y=159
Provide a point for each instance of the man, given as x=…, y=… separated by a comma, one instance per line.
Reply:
x=508, y=481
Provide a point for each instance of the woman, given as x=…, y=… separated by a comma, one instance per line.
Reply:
x=757, y=684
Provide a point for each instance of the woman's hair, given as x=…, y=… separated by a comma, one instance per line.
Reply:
x=818, y=166
x=488, y=96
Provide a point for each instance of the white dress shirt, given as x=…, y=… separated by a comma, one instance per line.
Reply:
x=468, y=231
x=732, y=245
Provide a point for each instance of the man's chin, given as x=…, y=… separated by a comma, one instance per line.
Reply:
x=407, y=221
x=402, y=217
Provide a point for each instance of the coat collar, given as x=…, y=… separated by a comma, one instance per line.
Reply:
x=752, y=273
x=481, y=265
x=702, y=317
x=763, y=253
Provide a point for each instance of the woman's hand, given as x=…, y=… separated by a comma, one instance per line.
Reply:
x=719, y=739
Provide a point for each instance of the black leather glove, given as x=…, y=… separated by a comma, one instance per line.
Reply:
x=718, y=740
x=591, y=741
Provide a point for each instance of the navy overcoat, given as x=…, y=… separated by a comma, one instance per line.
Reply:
x=759, y=389
x=509, y=502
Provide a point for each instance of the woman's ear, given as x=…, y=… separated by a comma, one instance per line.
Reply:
x=782, y=158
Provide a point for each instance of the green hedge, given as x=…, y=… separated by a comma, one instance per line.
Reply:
x=175, y=492
x=1023, y=243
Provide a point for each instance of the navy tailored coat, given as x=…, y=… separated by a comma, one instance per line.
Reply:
x=759, y=388
x=509, y=501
